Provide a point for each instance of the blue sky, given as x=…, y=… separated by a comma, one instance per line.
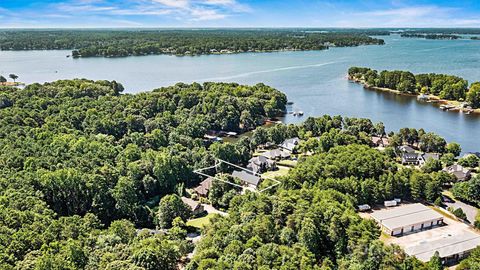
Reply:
x=239, y=13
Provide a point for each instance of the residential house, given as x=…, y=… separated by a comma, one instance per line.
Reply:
x=405, y=149
x=195, y=206
x=276, y=154
x=290, y=144
x=247, y=179
x=204, y=187
x=410, y=158
x=380, y=141
x=422, y=158
x=418, y=158
x=460, y=173
x=260, y=164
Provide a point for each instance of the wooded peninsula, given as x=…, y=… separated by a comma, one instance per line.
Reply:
x=454, y=91
x=119, y=43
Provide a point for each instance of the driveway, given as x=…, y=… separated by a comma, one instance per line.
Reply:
x=212, y=210
x=470, y=211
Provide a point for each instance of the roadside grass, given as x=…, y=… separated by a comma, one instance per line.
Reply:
x=200, y=222
x=444, y=213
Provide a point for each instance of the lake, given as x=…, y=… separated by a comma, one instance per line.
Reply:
x=315, y=81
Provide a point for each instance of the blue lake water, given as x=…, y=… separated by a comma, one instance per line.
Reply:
x=315, y=81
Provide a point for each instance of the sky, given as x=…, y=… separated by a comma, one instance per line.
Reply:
x=238, y=13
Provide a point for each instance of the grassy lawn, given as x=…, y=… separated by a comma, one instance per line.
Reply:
x=287, y=163
x=282, y=171
x=200, y=222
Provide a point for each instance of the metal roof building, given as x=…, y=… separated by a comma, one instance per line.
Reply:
x=407, y=218
x=449, y=247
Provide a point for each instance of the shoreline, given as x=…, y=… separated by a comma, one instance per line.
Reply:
x=12, y=84
x=450, y=105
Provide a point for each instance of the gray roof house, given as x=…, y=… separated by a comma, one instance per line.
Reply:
x=276, y=154
x=290, y=144
x=260, y=164
x=422, y=158
x=410, y=158
x=461, y=173
x=247, y=178
x=406, y=149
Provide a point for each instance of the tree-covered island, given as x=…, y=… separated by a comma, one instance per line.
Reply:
x=118, y=43
x=453, y=92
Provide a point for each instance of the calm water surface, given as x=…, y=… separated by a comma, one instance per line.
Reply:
x=315, y=81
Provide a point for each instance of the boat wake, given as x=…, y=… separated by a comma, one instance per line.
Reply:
x=247, y=74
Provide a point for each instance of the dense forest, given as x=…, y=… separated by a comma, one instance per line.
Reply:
x=430, y=36
x=444, y=86
x=116, y=43
x=79, y=159
x=87, y=170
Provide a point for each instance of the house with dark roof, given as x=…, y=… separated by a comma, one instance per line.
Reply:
x=260, y=164
x=247, y=179
x=195, y=206
x=418, y=158
x=460, y=173
x=203, y=188
x=290, y=144
x=410, y=158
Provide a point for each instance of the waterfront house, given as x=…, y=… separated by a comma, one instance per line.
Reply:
x=247, y=179
x=203, y=188
x=195, y=206
x=460, y=173
x=290, y=144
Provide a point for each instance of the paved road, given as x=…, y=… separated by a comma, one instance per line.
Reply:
x=469, y=210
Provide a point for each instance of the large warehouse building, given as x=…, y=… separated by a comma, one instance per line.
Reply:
x=407, y=219
x=451, y=247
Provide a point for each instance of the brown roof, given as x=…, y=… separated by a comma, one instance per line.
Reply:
x=191, y=203
x=204, y=187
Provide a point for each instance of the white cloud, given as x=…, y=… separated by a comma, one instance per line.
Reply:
x=174, y=3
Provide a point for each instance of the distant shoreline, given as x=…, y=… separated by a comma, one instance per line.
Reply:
x=454, y=106
x=12, y=84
